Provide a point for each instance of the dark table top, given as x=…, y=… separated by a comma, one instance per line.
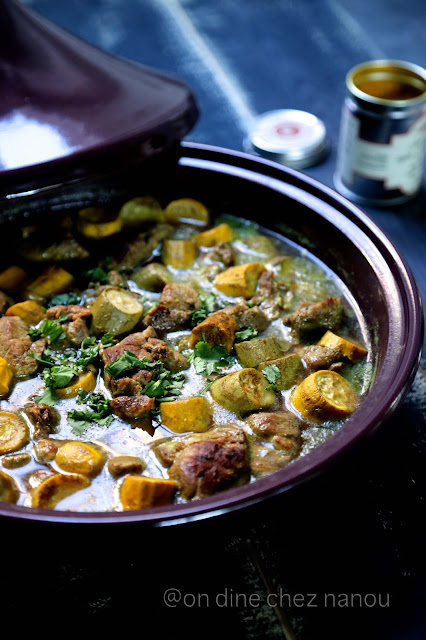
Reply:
x=343, y=556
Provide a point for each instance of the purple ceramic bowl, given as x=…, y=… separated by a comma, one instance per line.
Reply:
x=315, y=217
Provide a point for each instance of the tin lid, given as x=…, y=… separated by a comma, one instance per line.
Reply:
x=70, y=111
x=294, y=138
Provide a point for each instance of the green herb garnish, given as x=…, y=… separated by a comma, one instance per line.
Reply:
x=207, y=359
x=107, y=340
x=99, y=411
x=271, y=373
x=208, y=305
x=48, y=397
x=64, y=298
x=49, y=329
x=246, y=334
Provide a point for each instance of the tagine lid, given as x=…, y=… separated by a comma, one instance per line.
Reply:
x=68, y=109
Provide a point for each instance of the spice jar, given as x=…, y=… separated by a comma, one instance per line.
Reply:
x=383, y=133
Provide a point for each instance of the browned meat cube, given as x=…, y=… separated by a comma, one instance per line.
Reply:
x=141, y=249
x=248, y=317
x=119, y=465
x=130, y=386
x=204, y=467
x=3, y=302
x=43, y=418
x=283, y=429
x=134, y=408
x=316, y=357
x=270, y=295
x=217, y=328
x=264, y=461
x=16, y=346
x=222, y=252
x=310, y=316
x=177, y=302
x=145, y=346
x=76, y=331
x=72, y=311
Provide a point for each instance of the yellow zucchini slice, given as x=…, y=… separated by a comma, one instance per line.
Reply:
x=190, y=414
x=52, y=281
x=348, y=349
x=324, y=395
x=140, y=210
x=95, y=223
x=179, y=254
x=8, y=491
x=240, y=280
x=6, y=376
x=12, y=278
x=80, y=457
x=86, y=381
x=30, y=311
x=13, y=432
x=243, y=391
x=115, y=311
x=56, y=488
x=142, y=492
x=212, y=237
x=186, y=210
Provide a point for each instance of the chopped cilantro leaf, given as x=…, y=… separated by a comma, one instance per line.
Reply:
x=49, y=329
x=64, y=298
x=246, y=334
x=48, y=397
x=208, y=305
x=207, y=359
x=99, y=411
x=107, y=340
x=129, y=361
x=89, y=351
x=272, y=373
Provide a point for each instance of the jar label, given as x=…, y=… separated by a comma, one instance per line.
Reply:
x=399, y=164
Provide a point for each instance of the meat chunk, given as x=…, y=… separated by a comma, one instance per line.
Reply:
x=72, y=311
x=222, y=252
x=134, y=408
x=282, y=429
x=270, y=295
x=248, y=317
x=16, y=346
x=205, y=463
x=43, y=418
x=76, y=331
x=130, y=386
x=119, y=465
x=144, y=345
x=317, y=357
x=141, y=249
x=310, y=316
x=3, y=302
x=177, y=302
x=264, y=461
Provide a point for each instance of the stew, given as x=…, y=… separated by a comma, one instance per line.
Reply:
x=157, y=356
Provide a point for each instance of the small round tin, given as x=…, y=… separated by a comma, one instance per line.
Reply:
x=289, y=136
x=382, y=133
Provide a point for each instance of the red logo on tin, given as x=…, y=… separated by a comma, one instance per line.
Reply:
x=287, y=129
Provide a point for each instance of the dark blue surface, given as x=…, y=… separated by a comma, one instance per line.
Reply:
x=361, y=527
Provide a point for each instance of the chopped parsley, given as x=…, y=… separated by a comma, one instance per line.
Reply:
x=99, y=411
x=48, y=397
x=208, y=305
x=207, y=359
x=59, y=371
x=246, y=334
x=100, y=273
x=107, y=340
x=272, y=373
x=50, y=329
x=64, y=298
x=164, y=385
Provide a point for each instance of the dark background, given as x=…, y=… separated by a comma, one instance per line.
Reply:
x=359, y=528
